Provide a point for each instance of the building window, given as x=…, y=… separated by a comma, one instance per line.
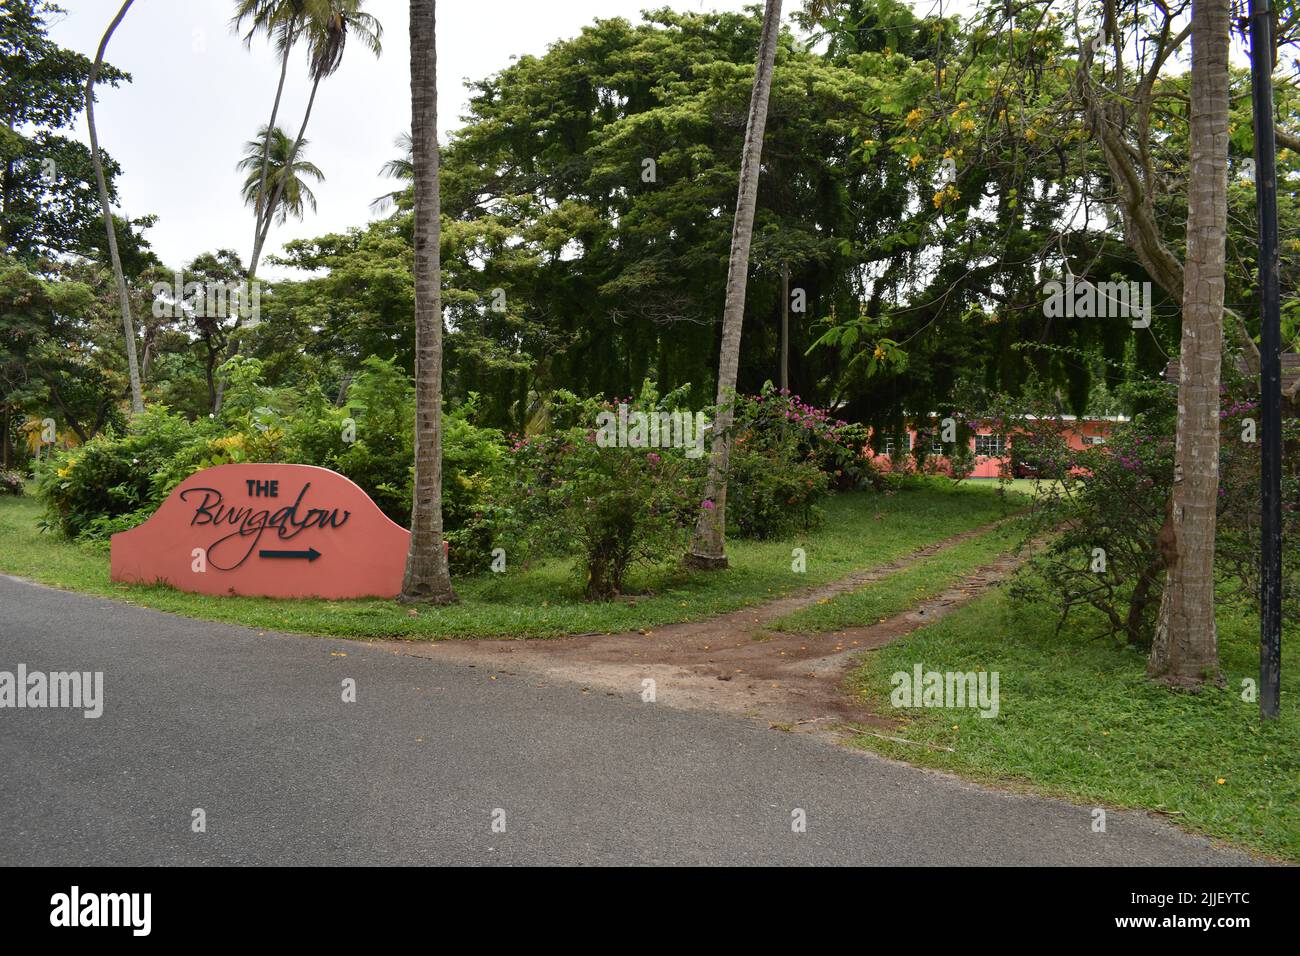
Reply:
x=990, y=446
x=925, y=439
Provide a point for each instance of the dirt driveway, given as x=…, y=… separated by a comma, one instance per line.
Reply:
x=732, y=662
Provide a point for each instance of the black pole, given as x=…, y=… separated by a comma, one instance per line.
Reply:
x=1270, y=365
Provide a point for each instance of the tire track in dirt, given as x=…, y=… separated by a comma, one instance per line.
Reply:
x=732, y=662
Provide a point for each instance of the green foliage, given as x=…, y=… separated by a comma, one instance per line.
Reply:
x=775, y=478
x=1106, y=505
x=616, y=507
x=473, y=459
x=119, y=478
x=51, y=204
x=59, y=347
x=785, y=457
x=116, y=476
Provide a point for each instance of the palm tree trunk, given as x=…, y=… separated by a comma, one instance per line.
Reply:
x=708, y=546
x=1185, y=649
x=124, y=299
x=427, y=577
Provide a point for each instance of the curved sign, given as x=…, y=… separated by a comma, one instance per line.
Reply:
x=266, y=530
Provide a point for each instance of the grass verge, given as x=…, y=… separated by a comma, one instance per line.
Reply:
x=861, y=530
x=1077, y=718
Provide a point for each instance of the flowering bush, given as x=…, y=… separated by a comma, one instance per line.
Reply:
x=1107, y=505
x=616, y=507
x=785, y=457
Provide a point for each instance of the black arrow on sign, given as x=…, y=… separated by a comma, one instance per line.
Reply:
x=311, y=554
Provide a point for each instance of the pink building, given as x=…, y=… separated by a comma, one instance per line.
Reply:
x=992, y=449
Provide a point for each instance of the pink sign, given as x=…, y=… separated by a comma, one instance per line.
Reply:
x=285, y=531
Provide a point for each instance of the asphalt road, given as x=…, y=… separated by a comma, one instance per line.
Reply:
x=253, y=730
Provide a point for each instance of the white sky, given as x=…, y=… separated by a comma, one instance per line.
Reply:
x=198, y=95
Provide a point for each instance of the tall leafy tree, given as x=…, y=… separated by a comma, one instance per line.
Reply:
x=708, y=547
x=49, y=205
x=57, y=346
x=124, y=297
x=427, y=578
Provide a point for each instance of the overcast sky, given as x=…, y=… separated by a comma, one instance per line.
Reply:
x=198, y=95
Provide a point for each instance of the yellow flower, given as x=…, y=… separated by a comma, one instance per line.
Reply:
x=949, y=192
x=1220, y=781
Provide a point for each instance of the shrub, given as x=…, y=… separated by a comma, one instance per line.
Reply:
x=1114, y=498
x=11, y=482
x=472, y=462
x=615, y=507
x=1110, y=498
x=113, y=476
x=117, y=480
x=785, y=455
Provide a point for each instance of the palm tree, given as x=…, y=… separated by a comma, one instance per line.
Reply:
x=280, y=20
x=124, y=299
x=327, y=25
x=427, y=577
x=288, y=182
x=1185, y=648
x=708, y=546
x=402, y=168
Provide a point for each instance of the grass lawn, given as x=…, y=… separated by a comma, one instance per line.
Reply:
x=902, y=590
x=861, y=530
x=1077, y=718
